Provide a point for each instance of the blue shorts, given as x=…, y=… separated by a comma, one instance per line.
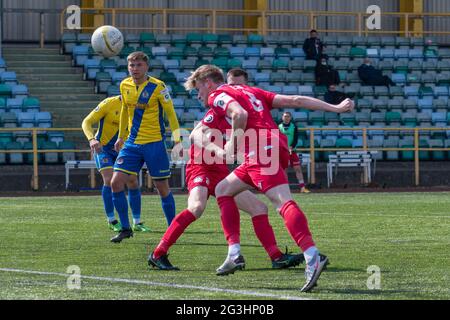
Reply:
x=105, y=159
x=132, y=157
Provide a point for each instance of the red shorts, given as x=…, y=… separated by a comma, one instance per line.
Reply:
x=205, y=176
x=294, y=160
x=257, y=176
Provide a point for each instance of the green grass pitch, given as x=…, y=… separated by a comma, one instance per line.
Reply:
x=407, y=235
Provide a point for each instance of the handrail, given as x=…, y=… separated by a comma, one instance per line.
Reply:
x=264, y=15
x=312, y=149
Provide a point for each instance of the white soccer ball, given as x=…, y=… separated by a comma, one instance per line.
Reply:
x=107, y=41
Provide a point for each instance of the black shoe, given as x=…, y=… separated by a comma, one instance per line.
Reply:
x=162, y=263
x=288, y=260
x=123, y=234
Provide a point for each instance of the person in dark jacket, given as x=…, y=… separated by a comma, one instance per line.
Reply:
x=325, y=74
x=333, y=96
x=313, y=46
x=371, y=76
x=288, y=127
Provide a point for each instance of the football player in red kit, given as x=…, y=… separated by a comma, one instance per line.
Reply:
x=266, y=155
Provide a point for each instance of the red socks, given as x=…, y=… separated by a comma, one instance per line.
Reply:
x=297, y=225
x=229, y=215
x=264, y=232
x=174, y=231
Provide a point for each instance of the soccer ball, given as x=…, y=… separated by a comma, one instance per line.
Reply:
x=107, y=41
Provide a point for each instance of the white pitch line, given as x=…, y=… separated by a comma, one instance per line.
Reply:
x=159, y=284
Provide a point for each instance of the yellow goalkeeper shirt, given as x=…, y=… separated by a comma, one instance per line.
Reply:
x=107, y=115
x=143, y=110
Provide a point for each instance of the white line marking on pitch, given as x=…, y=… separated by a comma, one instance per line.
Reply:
x=159, y=284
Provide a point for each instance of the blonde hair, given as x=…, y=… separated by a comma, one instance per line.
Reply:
x=207, y=71
x=138, y=55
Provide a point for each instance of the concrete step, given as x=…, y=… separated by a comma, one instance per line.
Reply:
x=48, y=70
x=34, y=64
x=72, y=106
x=35, y=57
x=50, y=77
x=23, y=50
x=61, y=91
x=63, y=84
x=49, y=97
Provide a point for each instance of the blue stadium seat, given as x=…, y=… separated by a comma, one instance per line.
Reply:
x=8, y=77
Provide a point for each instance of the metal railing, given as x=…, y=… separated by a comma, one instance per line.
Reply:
x=311, y=149
x=211, y=17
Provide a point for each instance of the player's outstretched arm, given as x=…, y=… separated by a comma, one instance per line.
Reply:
x=283, y=101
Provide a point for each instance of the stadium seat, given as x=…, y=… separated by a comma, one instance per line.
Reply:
x=391, y=142
x=67, y=156
x=5, y=90
x=8, y=77
x=437, y=155
x=102, y=81
x=79, y=55
x=14, y=158
x=43, y=119
x=14, y=104
x=50, y=157
x=68, y=42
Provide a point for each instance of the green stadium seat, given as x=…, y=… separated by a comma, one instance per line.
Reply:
x=30, y=104
x=254, y=39
x=221, y=52
x=233, y=63
x=438, y=155
x=210, y=39
x=126, y=51
x=168, y=77
x=179, y=53
x=178, y=40
x=6, y=137
x=347, y=119
x=5, y=90
x=200, y=62
x=9, y=119
x=279, y=64
x=2, y=105
x=392, y=117
x=424, y=155
x=220, y=62
x=205, y=52
x=194, y=39
x=225, y=39
x=447, y=145
x=356, y=52
x=28, y=157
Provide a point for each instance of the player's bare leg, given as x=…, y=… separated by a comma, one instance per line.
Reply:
x=300, y=178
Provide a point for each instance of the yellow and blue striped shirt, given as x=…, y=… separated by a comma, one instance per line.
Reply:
x=143, y=110
x=107, y=115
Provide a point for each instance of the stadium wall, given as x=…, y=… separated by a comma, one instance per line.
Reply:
x=25, y=26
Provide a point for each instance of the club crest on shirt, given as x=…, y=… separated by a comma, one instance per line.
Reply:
x=97, y=108
x=145, y=94
x=105, y=160
x=119, y=161
x=209, y=118
x=222, y=100
x=198, y=180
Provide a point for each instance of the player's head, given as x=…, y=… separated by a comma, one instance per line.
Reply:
x=332, y=87
x=138, y=65
x=237, y=76
x=205, y=80
x=286, y=117
x=313, y=33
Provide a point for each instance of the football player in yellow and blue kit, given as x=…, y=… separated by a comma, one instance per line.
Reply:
x=145, y=102
x=107, y=116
